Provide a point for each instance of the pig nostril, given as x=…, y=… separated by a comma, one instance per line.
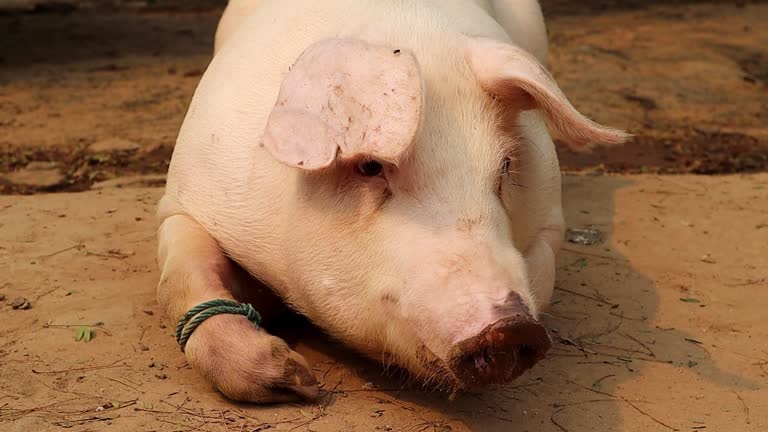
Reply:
x=480, y=361
x=527, y=352
x=501, y=352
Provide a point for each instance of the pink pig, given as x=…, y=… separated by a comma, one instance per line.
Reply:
x=385, y=167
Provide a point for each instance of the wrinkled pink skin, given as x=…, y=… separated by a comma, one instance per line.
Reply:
x=443, y=262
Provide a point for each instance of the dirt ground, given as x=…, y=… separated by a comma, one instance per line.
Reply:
x=660, y=327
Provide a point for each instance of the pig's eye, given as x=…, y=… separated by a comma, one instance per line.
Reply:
x=370, y=168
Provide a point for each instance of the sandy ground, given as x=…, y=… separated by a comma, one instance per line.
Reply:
x=630, y=353
x=659, y=328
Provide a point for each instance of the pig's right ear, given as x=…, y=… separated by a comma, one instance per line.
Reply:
x=347, y=98
x=516, y=78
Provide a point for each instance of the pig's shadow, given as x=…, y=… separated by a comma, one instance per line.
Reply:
x=600, y=318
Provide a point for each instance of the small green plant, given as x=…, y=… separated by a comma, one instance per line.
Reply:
x=84, y=333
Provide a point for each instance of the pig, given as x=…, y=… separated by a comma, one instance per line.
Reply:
x=386, y=169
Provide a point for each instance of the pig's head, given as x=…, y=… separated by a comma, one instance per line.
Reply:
x=402, y=243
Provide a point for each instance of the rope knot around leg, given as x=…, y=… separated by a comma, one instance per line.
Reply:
x=192, y=319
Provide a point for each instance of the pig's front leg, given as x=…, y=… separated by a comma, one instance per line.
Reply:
x=244, y=363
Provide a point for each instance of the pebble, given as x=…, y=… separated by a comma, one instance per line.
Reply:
x=584, y=236
x=20, y=303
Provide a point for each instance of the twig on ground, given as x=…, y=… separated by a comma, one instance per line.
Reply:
x=600, y=380
x=402, y=405
x=70, y=392
x=266, y=425
x=601, y=362
x=762, y=365
x=744, y=405
x=109, y=254
x=748, y=282
x=77, y=246
x=587, y=296
x=582, y=403
x=45, y=294
x=641, y=319
x=111, y=365
x=555, y=422
x=613, y=347
x=308, y=422
x=125, y=384
x=562, y=408
x=188, y=427
x=606, y=332
x=436, y=424
x=6, y=395
x=650, y=351
x=601, y=353
x=628, y=402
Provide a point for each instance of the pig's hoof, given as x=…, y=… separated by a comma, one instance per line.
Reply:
x=249, y=364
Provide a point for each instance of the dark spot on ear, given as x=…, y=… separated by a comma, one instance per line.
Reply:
x=396, y=52
x=389, y=298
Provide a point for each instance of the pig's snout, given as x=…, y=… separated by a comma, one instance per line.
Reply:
x=501, y=352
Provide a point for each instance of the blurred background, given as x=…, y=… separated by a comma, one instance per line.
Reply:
x=91, y=90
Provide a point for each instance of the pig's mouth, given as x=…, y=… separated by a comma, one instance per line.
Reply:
x=500, y=353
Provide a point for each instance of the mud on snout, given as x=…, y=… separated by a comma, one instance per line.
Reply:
x=497, y=355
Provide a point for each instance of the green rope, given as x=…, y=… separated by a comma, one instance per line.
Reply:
x=188, y=324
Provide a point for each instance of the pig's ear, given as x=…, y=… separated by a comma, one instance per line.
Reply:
x=522, y=83
x=349, y=97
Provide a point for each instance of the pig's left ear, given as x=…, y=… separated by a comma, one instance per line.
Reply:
x=349, y=97
x=522, y=83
